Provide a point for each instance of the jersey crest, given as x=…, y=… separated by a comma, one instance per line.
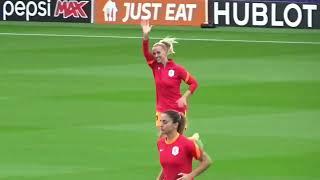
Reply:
x=175, y=150
x=171, y=73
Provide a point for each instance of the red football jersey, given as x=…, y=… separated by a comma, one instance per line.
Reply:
x=168, y=80
x=176, y=157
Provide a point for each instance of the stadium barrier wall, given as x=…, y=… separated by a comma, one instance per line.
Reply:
x=76, y=11
x=161, y=12
x=289, y=14
x=260, y=13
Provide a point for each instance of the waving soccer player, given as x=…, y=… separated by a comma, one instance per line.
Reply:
x=167, y=74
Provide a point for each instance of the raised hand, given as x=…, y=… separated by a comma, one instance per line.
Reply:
x=146, y=28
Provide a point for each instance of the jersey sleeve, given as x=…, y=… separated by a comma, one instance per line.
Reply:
x=147, y=54
x=188, y=78
x=195, y=150
x=159, y=141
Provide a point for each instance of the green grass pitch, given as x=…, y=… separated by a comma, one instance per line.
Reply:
x=79, y=108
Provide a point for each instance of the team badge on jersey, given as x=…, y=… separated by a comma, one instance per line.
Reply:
x=175, y=150
x=171, y=73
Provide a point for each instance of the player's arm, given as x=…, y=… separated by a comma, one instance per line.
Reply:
x=193, y=85
x=146, y=28
x=200, y=155
x=205, y=162
x=160, y=175
x=192, y=82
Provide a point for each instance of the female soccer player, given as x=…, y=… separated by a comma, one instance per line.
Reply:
x=167, y=74
x=177, y=151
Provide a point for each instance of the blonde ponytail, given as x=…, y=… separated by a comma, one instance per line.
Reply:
x=168, y=43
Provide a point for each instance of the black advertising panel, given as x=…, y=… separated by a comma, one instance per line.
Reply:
x=289, y=14
x=79, y=11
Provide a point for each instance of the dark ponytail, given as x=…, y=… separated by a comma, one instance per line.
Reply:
x=179, y=118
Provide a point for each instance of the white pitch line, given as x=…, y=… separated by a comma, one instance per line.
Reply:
x=185, y=39
x=3, y=98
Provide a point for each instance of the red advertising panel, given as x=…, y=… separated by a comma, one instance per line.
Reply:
x=160, y=12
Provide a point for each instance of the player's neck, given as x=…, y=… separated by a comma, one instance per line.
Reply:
x=164, y=62
x=172, y=137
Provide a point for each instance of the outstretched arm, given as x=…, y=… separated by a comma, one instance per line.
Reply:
x=146, y=28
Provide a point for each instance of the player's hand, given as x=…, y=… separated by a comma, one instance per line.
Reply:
x=184, y=176
x=182, y=102
x=146, y=27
